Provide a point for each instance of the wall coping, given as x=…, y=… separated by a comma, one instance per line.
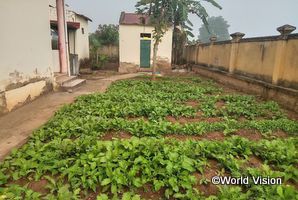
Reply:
x=252, y=39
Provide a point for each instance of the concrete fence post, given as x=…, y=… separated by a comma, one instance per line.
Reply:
x=236, y=37
x=212, y=40
x=279, y=61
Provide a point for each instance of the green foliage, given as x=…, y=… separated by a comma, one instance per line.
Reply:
x=68, y=151
x=107, y=34
x=216, y=26
x=17, y=192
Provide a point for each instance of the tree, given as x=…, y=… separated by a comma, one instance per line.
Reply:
x=94, y=47
x=217, y=26
x=165, y=13
x=107, y=34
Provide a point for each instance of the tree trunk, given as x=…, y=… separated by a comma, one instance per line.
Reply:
x=155, y=49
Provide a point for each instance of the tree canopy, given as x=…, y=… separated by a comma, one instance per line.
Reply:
x=106, y=34
x=217, y=26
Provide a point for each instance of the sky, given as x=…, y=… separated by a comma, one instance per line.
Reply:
x=252, y=17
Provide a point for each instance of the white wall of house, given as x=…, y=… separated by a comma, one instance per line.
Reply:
x=129, y=42
x=25, y=51
x=82, y=38
x=78, y=41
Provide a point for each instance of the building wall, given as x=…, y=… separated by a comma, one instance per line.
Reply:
x=25, y=64
x=70, y=15
x=129, y=48
x=78, y=42
x=270, y=59
x=82, y=39
x=289, y=74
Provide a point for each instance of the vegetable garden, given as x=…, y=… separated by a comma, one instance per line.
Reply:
x=157, y=140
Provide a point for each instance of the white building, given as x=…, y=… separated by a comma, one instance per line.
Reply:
x=78, y=35
x=136, y=45
x=27, y=61
x=25, y=52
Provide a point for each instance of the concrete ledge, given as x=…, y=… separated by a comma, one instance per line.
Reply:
x=287, y=97
x=14, y=98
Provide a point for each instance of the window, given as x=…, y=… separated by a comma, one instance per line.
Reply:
x=83, y=31
x=54, y=35
x=145, y=35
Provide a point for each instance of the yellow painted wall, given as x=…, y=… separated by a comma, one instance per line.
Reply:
x=203, y=54
x=220, y=55
x=290, y=71
x=255, y=57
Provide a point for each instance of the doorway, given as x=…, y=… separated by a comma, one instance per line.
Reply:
x=145, y=53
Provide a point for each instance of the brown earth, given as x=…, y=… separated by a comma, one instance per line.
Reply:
x=254, y=161
x=207, y=136
x=147, y=192
x=116, y=135
x=250, y=134
x=37, y=186
x=192, y=103
x=220, y=104
x=210, y=171
x=186, y=120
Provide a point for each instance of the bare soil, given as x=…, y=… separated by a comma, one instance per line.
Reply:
x=116, y=135
x=186, y=120
x=39, y=186
x=208, y=136
x=250, y=134
x=254, y=161
x=220, y=104
x=193, y=104
x=147, y=192
x=280, y=134
x=183, y=120
x=210, y=171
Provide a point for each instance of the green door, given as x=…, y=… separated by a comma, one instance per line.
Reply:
x=145, y=53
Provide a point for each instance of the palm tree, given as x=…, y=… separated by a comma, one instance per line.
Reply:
x=166, y=13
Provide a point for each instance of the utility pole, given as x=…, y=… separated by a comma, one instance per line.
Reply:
x=62, y=36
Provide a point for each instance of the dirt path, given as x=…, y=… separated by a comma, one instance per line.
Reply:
x=18, y=125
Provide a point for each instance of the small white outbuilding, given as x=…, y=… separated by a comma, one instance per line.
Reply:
x=136, y=45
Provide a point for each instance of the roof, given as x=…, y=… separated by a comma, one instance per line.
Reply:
x=134, y=19
x=78, y=14
x=83, y=16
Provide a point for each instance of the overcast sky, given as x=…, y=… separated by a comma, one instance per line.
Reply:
x=252, y=17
